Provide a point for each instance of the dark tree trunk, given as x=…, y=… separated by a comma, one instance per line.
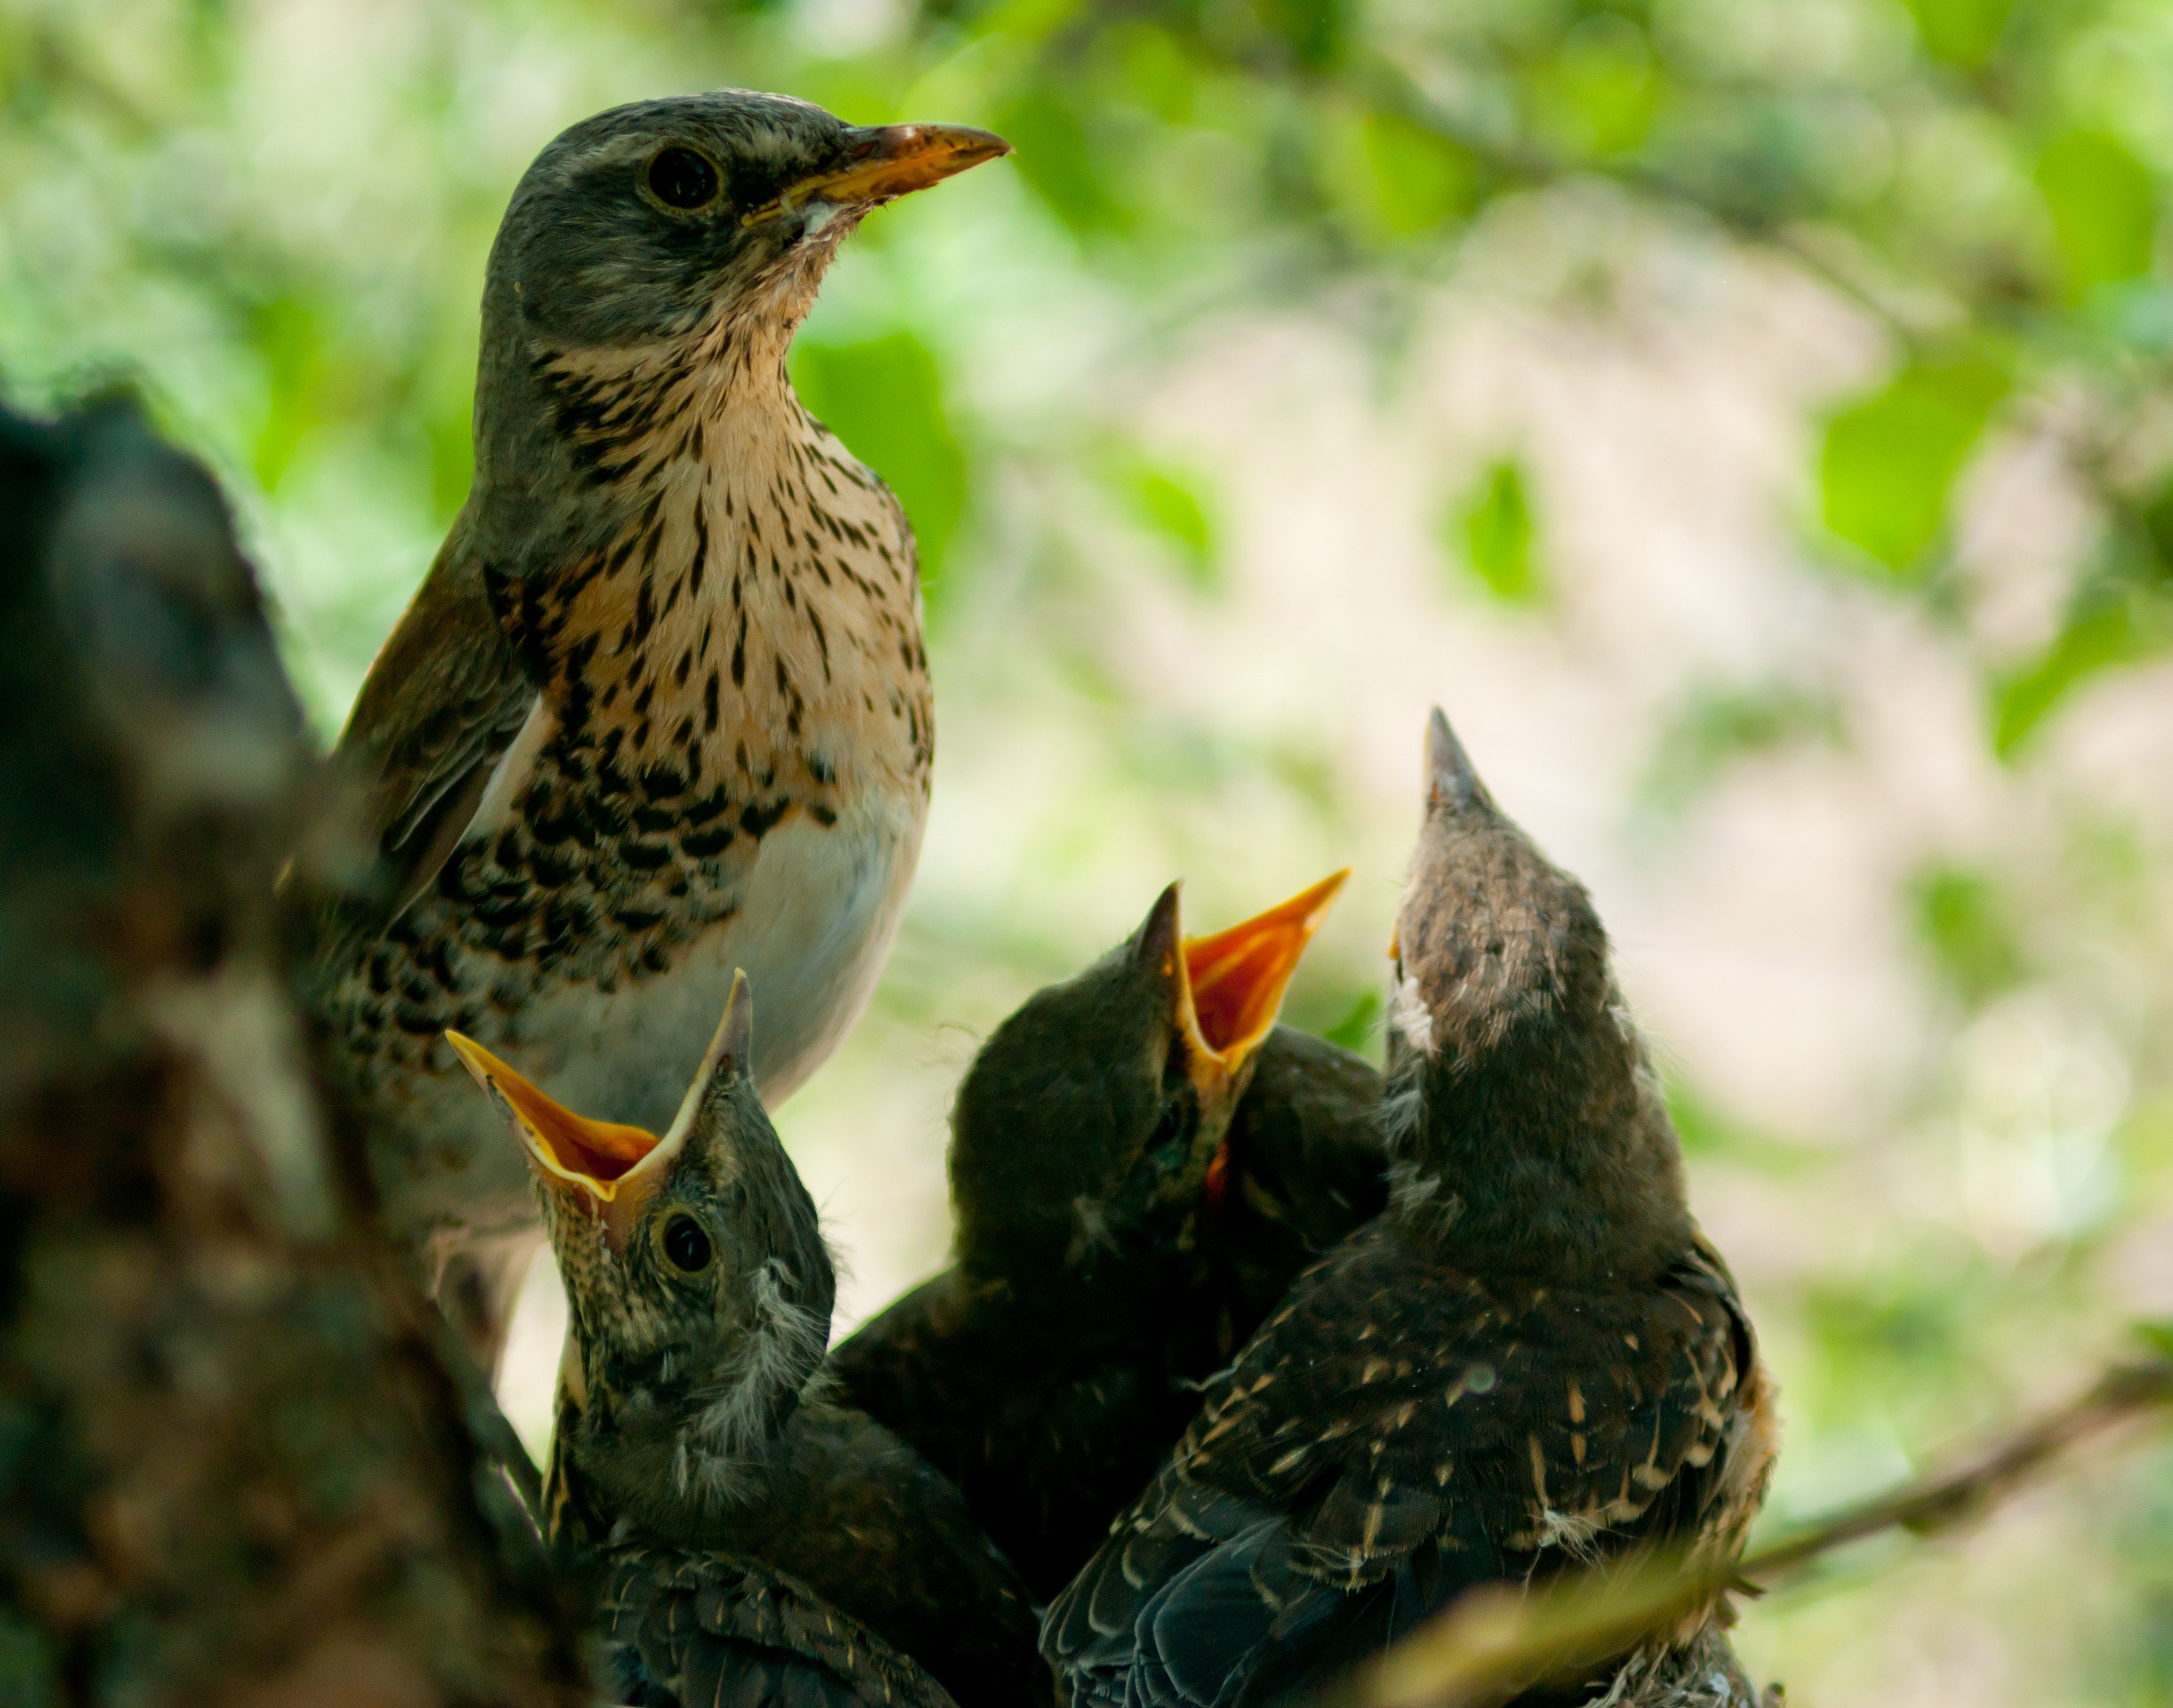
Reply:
x=235, y=1465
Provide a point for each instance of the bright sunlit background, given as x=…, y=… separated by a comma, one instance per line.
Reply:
x=1751, y=420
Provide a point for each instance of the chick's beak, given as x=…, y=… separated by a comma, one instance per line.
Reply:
x=584, y=1163
x=888, y=161
x=1235, y=979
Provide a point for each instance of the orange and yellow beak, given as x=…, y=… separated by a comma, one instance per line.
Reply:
x=600, y=1168
x=591, y=1166
x=1234, y=980
x=891, y=160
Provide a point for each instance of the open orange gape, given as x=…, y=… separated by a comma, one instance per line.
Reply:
x=1231, y=987
x=601, y=1168
x=1234, y=979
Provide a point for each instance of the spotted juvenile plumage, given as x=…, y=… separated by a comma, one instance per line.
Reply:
x=662, y=707
x=706, y=1629
x=1136, y=1186
x=1530, y=1360
x=752, y=1535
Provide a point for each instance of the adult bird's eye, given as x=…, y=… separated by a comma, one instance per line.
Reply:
x=680, y=178
x=686, y=1245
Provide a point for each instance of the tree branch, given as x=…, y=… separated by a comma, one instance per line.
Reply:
x=1931, y=1505
x=240, y=1467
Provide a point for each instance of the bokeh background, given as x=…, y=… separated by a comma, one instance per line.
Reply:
x=1750, y=418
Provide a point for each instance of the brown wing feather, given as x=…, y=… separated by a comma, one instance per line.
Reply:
x=1397, y=1432
x=444, y=699
x=712, y=1628
x=1548, y=1417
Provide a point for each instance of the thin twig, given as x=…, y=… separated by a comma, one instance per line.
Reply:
x=1930, y=1505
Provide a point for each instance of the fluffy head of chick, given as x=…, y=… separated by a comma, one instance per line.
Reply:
x=698, y=1285
x=1525, y=1123
x=1493, y=938
x=1092, y=1118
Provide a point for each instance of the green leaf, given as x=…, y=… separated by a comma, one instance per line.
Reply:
x=2104, y=204
x=1961, y=32
x=1491, y=531
x=2156, y=1333
x=1059, y=160
x=1156, y=73
x=1603, y=87
x=1174, y=504
x=2102, y=634
x=449, y=435
x=884, y=397
x=1890, y=460
x=289, y=337
x=1355, y=1031
x=1963, y=923
x=1316, y=32
x=1702, y=1129
x=1396, y=178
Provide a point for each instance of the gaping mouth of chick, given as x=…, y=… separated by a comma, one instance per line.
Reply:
x=599, y=1171
x=602, y=1168
x=593, y=1155
x=1234, y=980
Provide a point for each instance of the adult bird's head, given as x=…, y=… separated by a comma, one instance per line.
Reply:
x=698, y=1286
x=1091, y=1119
x=656, y=259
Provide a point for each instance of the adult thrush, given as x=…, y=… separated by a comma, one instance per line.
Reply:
x=661, y=708
x=1531, y=1360
x=1141, y=1161
x=750, y=1533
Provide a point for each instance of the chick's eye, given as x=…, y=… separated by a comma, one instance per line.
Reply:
x=680, y=178
x=685, y=1245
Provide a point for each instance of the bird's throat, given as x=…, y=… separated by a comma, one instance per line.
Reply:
x=754, y=606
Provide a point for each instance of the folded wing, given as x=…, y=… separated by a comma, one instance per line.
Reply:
x=1392, y=1438
x=705, y=1631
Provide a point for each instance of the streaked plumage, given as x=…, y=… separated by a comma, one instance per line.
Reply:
x=682, y=1630
x=1139, y=1166
x=661, y=709
x=699, y=1464
x=1529, y=1360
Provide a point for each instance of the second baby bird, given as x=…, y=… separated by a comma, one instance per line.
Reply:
x=755, y=1542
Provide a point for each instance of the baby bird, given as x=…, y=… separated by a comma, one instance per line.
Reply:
x=1531, y=1360
x=1127, y=1211
x=661, y=708
x=756, y=1542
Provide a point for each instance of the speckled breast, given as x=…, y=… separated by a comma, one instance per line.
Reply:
x=726, y=766
x=599, y=963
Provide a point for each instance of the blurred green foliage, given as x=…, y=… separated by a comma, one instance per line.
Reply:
x=1174, y=504
x=1961, y=32
x=1714, y=730
x=1965, y=924
x=1890, y=458
x=2106, y=629
x=276, y=214
x=884, y=397
x=1493, y=527
x=2104, y=204
x=1359, y=1029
